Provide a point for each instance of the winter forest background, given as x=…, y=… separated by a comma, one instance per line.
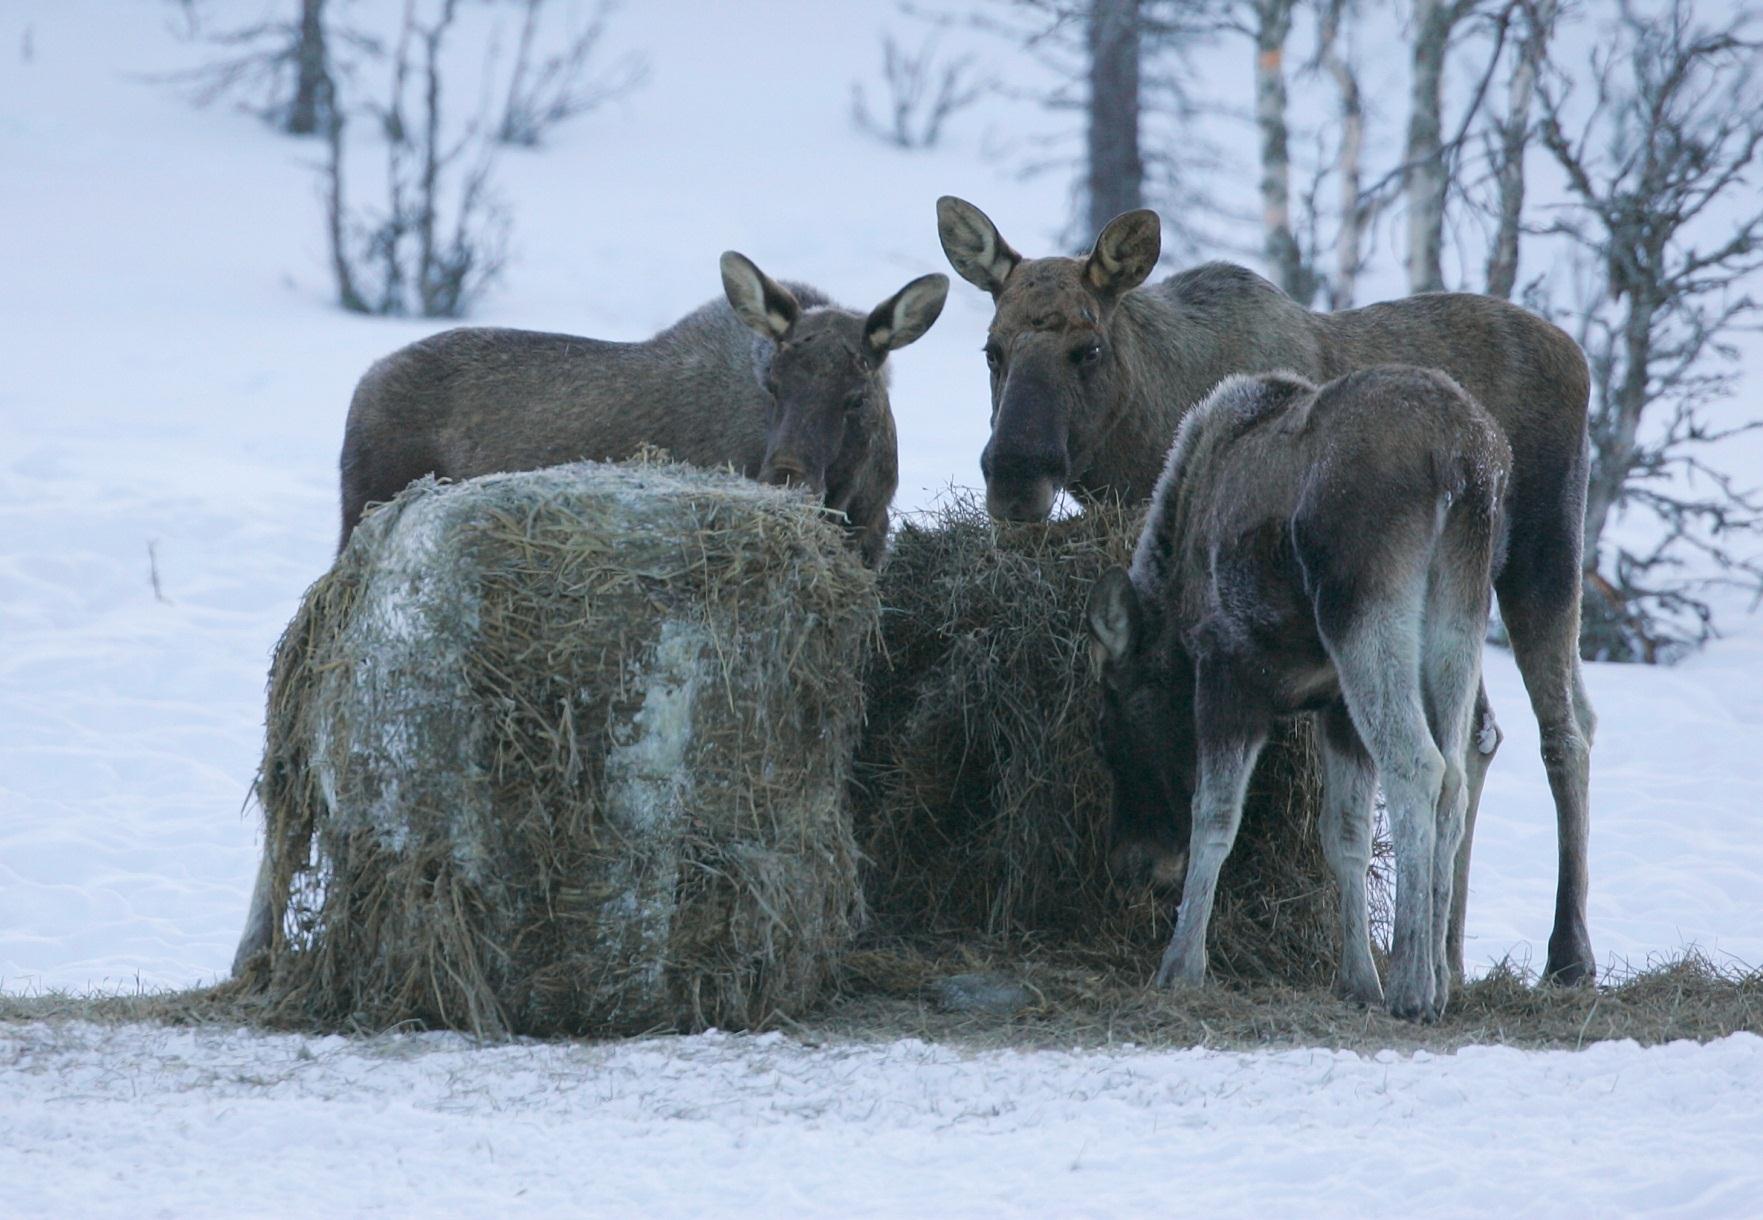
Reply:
x=1594, y=161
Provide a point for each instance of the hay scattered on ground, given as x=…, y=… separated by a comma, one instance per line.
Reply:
x=567, y=752
x=1098, y=999
x=982, y=804
x=889, y=993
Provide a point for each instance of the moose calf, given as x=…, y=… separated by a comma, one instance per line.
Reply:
x=775, y=380
x=1312, y=551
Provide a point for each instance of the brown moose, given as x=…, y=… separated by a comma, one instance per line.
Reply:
x=774, y=380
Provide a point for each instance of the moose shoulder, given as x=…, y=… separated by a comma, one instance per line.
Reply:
x=1091, y=373
x=772, y=379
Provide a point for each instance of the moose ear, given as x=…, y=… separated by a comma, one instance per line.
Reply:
x=759, y=301
x=976, y=249
x=1125, y=253
x=906, y=315
x=1113, y=614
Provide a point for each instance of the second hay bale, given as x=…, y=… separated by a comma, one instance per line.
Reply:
x=982, y=803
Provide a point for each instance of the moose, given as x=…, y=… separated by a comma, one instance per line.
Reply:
x=1091, y=373
x=773, y=379
x=1257, y=592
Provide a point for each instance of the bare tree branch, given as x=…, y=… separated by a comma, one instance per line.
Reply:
x=1675, y=127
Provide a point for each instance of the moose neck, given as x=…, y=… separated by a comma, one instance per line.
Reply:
x=1173, y=342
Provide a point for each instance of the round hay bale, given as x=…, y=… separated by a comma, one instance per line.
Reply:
x=568, y=752
x=982, y=803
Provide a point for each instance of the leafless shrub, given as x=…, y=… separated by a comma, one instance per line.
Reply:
x=562, y=86
x=923, y=94
x=1665, y=216
x=435, y=246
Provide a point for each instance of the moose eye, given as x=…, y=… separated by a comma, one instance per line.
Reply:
x=1087, y=353
x=994, y=357
x=854, y=401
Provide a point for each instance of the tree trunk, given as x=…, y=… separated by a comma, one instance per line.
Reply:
x=312, y=86
x=1514, y=136
x=1423, y=175
x=1273, y=25
x=1117, y=172
x=1350, y=239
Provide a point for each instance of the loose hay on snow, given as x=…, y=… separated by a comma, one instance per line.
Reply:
x=982, y=804
x=1073, y=1005
x=567, y=752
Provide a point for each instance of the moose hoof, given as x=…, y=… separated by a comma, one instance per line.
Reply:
x=1175, y=975
x=1361, y=991
x=1413, y=1010
x=1571, y=963
x=1414, y=1000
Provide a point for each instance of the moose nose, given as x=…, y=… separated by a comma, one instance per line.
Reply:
x=1021, y=483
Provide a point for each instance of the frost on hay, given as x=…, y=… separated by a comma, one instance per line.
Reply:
x=983, y=805
x=568, y=752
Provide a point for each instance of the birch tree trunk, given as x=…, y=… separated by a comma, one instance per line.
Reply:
x=1116, y=168
x=1273, y=24
x=1514, y=139
x=1349, y=157
x=1423, y=177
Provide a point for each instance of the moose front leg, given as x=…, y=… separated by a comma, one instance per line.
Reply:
x=1227, y=759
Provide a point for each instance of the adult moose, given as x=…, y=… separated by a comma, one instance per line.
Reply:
x=1091, y=373
x=773, y=379
x=1256, y=592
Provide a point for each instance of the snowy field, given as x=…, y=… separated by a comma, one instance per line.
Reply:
x=103, y=1122
x=172, y=399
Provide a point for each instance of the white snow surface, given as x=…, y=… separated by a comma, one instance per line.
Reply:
x=175, y=381
x=113, y=1121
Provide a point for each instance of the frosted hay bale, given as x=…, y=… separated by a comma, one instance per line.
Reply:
x=567, y=752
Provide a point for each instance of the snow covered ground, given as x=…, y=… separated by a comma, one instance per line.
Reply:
x=133, y=1121
x=172, y=397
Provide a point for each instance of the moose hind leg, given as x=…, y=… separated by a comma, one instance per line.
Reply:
x=1349, y=783
x=1376, y=654
x=1450, y=670
x=1542, y=617
x=1484, y=742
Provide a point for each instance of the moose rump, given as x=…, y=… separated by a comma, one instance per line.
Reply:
x=1313, y=551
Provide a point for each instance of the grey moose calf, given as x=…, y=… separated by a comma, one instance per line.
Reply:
x=1257, y=592
x=774, y=379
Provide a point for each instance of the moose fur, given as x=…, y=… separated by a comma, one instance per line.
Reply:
x=1257, y=591
x=773, y=379
x=1092, y=373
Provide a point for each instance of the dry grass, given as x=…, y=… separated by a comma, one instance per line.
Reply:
x=1086, y=999
x=1079, y=1001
